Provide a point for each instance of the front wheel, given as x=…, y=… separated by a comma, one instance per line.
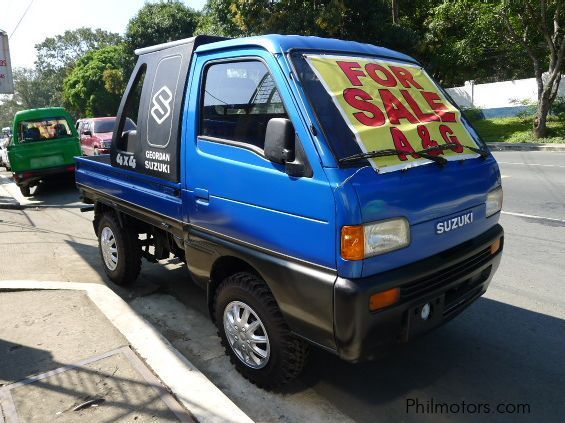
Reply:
x=119, y=249
x=255, y=334
x=25, y=191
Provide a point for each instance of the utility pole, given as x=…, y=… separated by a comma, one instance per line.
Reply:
x=6, y=78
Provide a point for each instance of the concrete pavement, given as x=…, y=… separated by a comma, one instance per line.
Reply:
x=525, y=146
x=79, y=357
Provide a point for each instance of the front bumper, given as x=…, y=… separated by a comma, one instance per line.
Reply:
x=449, y=281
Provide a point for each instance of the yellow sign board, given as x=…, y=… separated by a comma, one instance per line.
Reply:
x=393, y=105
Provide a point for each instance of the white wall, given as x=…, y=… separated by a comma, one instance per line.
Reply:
x=508, y=96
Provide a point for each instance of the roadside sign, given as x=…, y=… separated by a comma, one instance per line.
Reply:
x=6, y=80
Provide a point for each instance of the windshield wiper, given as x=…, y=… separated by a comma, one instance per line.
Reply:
x=393, y=152
x=423, y=153
x=452, y=145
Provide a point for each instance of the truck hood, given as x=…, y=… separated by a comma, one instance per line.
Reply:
x=425, y=196
x=104, y=136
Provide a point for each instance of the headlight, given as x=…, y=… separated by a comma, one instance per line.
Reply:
x=494, y=201
x=359, y=242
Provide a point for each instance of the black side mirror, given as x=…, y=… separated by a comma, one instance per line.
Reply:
x=279, y=141
x=127, y=140
x=283, y=146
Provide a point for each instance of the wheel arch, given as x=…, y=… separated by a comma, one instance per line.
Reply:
x=223, y=267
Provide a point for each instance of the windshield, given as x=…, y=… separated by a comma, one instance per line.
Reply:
x=44, y=129
x=107, y=125
x=369, y=104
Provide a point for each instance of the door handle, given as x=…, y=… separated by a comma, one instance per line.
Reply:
x=202, y=196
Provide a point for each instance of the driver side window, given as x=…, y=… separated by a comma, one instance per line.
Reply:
x=239, y=100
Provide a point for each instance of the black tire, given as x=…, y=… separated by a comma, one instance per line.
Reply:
x=25, y=191
x=128, y=259
x=288, y=354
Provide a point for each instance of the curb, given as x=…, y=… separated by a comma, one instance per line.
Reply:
x=7, y=199
x=524, y=146
x=200, y=396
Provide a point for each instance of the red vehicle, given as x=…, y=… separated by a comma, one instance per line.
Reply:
x=96, y=134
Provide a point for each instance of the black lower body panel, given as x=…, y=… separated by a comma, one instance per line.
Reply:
x=446, y=284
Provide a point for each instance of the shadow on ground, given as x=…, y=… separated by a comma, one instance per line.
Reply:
x=493, y=353
x=56, y=191
x=114, y=385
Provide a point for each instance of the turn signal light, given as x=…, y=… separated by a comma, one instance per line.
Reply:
x=352, y=242
x=495, y=246
x=384, y=299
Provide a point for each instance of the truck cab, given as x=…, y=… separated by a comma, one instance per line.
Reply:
x=322, y=192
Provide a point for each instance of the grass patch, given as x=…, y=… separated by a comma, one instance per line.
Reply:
x=519, y=129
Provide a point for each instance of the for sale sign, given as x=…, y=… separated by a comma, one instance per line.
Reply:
x=6, y=81
x=393, y=105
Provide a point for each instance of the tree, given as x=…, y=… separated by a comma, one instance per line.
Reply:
x=95, y=85
x=157, y=23
x=462, y=42
x=62, y=51
x=537, y=26
x=357, y=20
x=31, y=91
x=57, y=55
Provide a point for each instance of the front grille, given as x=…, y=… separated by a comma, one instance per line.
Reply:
x=444, y=277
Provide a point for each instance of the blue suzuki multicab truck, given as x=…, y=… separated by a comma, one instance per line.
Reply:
x=322, y=192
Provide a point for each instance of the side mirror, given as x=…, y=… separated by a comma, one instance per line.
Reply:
x=127, y=140
x=87, y=133
x=283, y=146
x=279, y=141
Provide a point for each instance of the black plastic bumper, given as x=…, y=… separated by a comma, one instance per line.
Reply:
x=448, y=281
x=29, y=177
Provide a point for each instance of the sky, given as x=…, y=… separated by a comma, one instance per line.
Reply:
x=46, y=18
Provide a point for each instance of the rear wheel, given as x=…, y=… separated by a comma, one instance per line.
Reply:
x=26, y=192
x=120, y=250
x=255, y=334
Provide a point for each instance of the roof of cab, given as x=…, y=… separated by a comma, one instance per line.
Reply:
x=285, y=43
x=45, y=112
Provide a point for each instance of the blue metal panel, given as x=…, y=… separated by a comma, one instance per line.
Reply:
x=250, y=198
x=422, y=195
x=284, y=43
x=142, y=190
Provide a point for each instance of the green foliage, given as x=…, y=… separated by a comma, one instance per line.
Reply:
x=62, y=51
x=519, y=129
x=94, y=86
x=157, y=23
x=347, y=19
x=463, y=42
x=473, y=113
x=32, y=89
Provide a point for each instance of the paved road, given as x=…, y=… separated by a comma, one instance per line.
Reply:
x=534, y=182
x=507, y=348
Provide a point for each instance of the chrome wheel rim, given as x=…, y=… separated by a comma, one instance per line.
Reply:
x=246, y=335
x=109, y=248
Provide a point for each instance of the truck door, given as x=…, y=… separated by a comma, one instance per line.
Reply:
x=232, y=189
